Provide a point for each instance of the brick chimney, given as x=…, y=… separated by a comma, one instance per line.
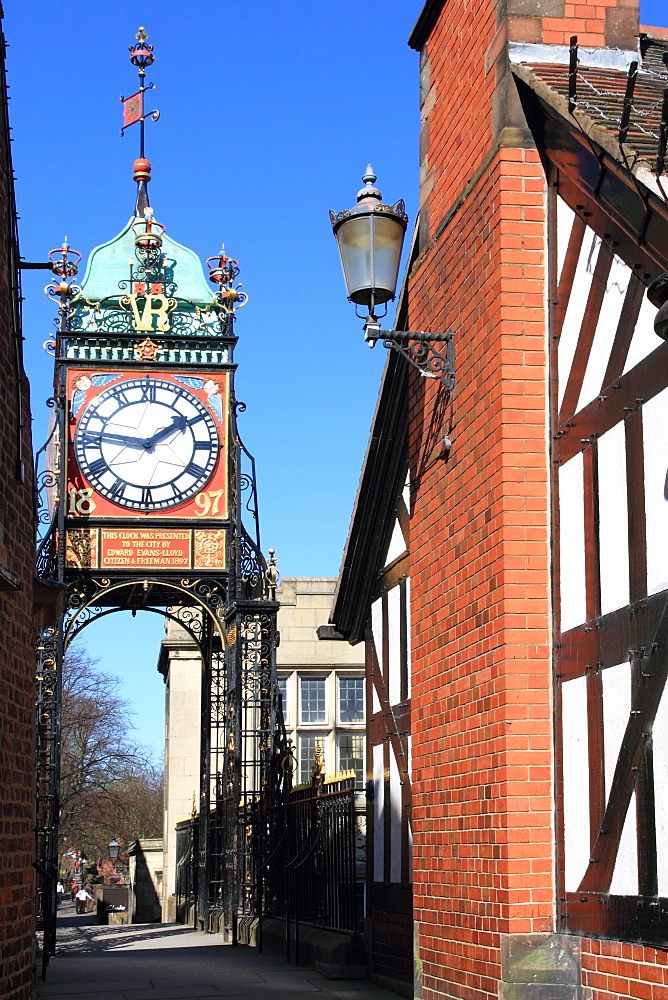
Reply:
x=468, y=100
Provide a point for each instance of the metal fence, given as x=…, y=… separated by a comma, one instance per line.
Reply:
x=187, y=861
x=312, y=872
x=305, y=857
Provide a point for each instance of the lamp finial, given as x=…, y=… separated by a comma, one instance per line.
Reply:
x=369, y=191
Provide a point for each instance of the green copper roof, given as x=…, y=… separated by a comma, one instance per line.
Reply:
x=108, y=265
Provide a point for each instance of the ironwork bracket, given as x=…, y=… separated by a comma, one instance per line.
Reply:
x=418, y=349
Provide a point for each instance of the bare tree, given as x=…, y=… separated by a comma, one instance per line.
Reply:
x=110, y=788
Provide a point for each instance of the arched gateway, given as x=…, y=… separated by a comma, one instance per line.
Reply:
x=143, y=483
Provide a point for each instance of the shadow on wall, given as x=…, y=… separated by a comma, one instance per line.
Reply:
x=146, y=880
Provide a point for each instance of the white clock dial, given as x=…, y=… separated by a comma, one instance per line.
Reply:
x=146, y=444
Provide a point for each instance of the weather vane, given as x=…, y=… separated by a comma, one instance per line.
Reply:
x=141, y=56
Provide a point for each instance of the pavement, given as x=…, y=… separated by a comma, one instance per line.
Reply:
x=172, y=962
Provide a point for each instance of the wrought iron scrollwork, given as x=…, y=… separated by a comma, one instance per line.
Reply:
x=426, y=358
x=47, y=500
x=212, y=595
x=93, y=598
x=189, y=618
x=249, y=562
x=46, y=560
x=418, y=349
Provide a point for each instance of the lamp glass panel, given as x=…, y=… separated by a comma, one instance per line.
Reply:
x=388, y=238
x=354, y=240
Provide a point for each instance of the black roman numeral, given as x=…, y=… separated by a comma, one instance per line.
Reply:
x=202, y=446
x=195, y=470
x=148, y=393
x=121, y=398
x=91, y=438
x=117, y=488
x=98, y=467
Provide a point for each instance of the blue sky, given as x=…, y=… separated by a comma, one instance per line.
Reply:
x=269, y=115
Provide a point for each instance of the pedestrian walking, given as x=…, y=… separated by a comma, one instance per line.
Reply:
x=81, y=896
x=60, y=892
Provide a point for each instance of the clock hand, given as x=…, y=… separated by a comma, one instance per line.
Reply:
x=179, y=423
x=132, y=442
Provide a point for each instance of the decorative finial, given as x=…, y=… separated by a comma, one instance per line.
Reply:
x=318, y=769
x=65, y=265
x=222, y=271
x=369, y=191
x=141, y=56
x=272, y=575
x=148, y=233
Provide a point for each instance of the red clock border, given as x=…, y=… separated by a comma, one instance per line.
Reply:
x=84, y=504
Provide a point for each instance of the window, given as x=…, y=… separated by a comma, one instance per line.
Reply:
x=351, y=699
x=282, y=685
x=307, y=745
x=350, y=748
x=312, y=695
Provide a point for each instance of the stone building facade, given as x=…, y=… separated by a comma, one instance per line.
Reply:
x=322, y=680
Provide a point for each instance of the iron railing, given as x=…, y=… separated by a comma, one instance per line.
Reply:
x=313, y=877
x=187, y=860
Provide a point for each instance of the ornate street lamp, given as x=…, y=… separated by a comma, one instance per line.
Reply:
x=113, y=849
x=370, y=238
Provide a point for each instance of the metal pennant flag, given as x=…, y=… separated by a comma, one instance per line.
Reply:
x=133, y=109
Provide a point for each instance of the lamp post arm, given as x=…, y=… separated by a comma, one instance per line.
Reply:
x=417, y=348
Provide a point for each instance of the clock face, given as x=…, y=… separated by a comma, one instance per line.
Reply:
x=146, y=444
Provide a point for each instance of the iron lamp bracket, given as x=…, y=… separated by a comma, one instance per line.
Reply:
x=418, y=349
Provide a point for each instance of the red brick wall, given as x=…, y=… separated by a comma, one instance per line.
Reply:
x=615, y=969
x=466, y=94
x=483, y=806
x=17, y=663
x=479, y=582
x=391, y=945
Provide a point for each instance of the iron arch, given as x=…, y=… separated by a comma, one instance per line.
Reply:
x=201, y=594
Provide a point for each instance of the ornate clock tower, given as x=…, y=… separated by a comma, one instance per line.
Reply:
x=143, y=506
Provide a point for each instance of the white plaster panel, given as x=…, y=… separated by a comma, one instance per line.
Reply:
x=576, y=781
x=570, y=330
x=407, y=493
x=409, y=634
x=613, y=523
x=378, y=814
x=655, y=448
x=375, y=699
x=395, y=821
x=377, y=633
x=565, y=218
x=616, y=711
x=397, y=545
x=571, y=554
x=394, y=644
x=660, y=747
x=606, y=327
x=377, y=628
x=644, y=339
